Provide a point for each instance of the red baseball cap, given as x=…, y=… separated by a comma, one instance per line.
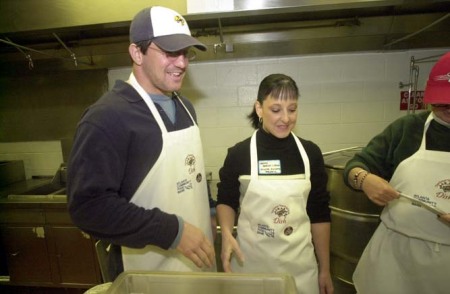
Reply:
x=438, y=84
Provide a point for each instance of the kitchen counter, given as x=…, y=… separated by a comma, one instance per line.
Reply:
x=24, y=186
x=35, y=192
x=33, y=202
x=35, y=199
x=42, y=246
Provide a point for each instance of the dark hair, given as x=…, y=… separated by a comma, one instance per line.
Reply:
x=143, y=45
x=275, y=85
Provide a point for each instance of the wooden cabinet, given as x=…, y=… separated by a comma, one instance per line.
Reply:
x=74, y=256
x=44, y=248
x=27, y=254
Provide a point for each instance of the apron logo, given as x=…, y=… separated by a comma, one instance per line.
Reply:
x=444, y=185
x=288, y=231
x=184, y=185
x=265, y=230
x=424, y=199
x=281, y=212
x=190, y=162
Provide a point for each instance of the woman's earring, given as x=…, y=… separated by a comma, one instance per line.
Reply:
x=260, y=120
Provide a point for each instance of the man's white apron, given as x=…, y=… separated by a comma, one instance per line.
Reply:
x=410, y=250
x=274, y=231
x=175, y=184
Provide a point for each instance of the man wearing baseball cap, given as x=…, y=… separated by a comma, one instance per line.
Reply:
x=410, y=250
x=136, y=175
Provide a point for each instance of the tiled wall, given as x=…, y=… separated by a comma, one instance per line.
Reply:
x=345, y=100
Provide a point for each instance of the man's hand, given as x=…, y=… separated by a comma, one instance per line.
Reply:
x=196, y=246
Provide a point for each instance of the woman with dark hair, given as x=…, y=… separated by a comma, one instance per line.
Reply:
x=276, y=183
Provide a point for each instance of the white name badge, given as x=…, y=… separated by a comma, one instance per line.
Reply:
x=269, y=167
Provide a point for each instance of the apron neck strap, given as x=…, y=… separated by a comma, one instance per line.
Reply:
x=254, y=157
x=147, y=99
x=425, y=128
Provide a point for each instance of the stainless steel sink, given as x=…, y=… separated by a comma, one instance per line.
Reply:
x=37, y=198
x=32, y=191
x=47, y=189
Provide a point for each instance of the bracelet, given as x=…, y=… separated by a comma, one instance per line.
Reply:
x=355, y=178
x=362, y=180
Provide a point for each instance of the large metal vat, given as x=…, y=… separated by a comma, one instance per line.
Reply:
x=354, y=219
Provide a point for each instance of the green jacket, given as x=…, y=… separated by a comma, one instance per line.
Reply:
x=398, y=141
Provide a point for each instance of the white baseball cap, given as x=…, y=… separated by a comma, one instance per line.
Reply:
x=164, y=27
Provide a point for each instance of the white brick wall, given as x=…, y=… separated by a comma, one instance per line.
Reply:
x=345, y=100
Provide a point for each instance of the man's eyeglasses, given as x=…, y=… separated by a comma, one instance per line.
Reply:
x=441, y=105
x=188, y=54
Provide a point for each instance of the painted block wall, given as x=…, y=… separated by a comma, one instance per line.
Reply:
x=40, y=158
x=345, y=99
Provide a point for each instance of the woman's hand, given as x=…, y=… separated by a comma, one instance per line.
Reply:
x=378, y=190
x=325, y=283
x=229, y=246
x=445, y=218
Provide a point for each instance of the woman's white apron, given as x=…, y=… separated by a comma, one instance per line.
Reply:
x=274, y=231
x=175, y=184
x=410, y=250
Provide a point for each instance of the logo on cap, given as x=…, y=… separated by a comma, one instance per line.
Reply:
x=442, y=77
x=179, y=20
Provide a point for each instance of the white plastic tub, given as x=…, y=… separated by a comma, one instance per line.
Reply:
x=138, y=282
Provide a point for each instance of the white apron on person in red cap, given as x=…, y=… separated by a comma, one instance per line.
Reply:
x=274, y=231
x=175, y=184
x=410, y=250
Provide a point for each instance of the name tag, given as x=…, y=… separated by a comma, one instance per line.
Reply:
x=269, y=167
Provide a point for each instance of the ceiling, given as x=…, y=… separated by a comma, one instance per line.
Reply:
x=274, y=28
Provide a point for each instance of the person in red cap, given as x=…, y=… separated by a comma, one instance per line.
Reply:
x=410, y=250
x=136, y=175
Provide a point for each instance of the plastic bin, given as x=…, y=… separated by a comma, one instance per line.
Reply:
x=138, y=282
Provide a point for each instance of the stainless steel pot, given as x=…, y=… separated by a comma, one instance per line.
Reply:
x=354, y=219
